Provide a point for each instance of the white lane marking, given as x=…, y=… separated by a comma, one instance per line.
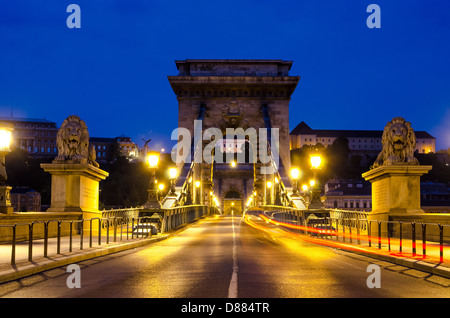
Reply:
x=233, y=288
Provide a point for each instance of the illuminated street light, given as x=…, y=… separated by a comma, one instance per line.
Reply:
x=173, y=173
x=152, y=200
x=153, y=159
x=197, y=192
x=316, y=161
x=269, y=192
x=295, y=175
x=5, y=143
x=315, y=203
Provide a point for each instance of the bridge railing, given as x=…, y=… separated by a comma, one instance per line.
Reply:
x=417, y=239
x=66, y=235
x=177, y=216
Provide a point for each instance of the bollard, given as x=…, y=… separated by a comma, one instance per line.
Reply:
x=45, y=238
x=115, y=229
x=30, y=241
x=441, y=243
x=413, y=229
x=70, y=236
x=90, y=233
x=13, y=251
x=388, y=236
x=107, y=231
x=358, y=238
x=401, y=236
x=379, y=235
x=58, y=240
x=81, y=234
x=99, y=231
x=369, y=230
x=424, y=239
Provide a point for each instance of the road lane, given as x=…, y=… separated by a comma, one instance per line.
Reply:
x=200, y=262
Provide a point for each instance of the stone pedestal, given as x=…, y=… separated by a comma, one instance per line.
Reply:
x=395, y=191
x=5, y=200
x=75, y=187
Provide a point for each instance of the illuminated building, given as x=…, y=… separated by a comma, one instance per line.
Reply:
x=36, y=136
x=359, y=141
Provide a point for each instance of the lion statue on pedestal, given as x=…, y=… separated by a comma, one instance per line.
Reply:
x=72, y=141
x=399, y=144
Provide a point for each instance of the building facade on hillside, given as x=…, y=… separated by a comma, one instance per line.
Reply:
x=435, y=197
x=357, y=195
x=105, y=147
x=36, y=136
x=359, y=141
x=24, y=199
x=353, y=195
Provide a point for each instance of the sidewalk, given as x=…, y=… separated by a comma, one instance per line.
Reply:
x=23, y=267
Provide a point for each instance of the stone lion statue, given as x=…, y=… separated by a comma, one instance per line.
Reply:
x=72, y=141
x=399, y=144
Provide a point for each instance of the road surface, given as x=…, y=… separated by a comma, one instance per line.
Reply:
x=223, y=257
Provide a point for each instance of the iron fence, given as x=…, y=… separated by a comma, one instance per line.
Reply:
x=105, y=229
x=411, y=239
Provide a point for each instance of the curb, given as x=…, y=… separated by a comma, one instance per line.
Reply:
x=43, y=263
x=435, y=269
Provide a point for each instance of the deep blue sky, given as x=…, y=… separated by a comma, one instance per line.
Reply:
x=113, y=71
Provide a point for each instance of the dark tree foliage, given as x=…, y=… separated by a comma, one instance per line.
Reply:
x=25, y=171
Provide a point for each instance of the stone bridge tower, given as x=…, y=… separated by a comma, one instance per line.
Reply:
x=232, y=94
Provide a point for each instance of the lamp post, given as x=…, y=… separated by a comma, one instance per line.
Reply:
x=268, y=192
x=173, y=173
x=5, y=142
x=160, y=189
x=295, y=174
x=152, y=199
x=315, y=203
x=197, y=192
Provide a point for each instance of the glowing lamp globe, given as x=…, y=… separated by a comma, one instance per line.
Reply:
x=153, y=159
x=316, y=161
x=295, y=173
x=5, y=138
x=173, y=172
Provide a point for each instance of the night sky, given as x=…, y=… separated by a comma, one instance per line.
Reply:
x=112, y=72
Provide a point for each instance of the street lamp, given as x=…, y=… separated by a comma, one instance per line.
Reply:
x=316, y=162
x=295, y=175
x=197, y=192
x=160, y=189
x=5, y=142
x=268, y=192
x=152, y=161
x=173, y=173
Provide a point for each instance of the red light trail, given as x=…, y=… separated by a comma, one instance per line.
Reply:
x=343, y=245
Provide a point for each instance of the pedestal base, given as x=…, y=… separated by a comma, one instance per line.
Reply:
x=5, y=200
x=75, y=186
x=395, y=190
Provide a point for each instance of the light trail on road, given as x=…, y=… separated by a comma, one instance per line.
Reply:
x=336, y=244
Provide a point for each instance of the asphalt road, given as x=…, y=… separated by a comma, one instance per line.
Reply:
x=223, y=257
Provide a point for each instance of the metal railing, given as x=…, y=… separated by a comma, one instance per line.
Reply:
x=410, y=239
x=104, y=227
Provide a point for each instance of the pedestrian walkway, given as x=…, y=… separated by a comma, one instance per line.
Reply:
x=30, y=259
